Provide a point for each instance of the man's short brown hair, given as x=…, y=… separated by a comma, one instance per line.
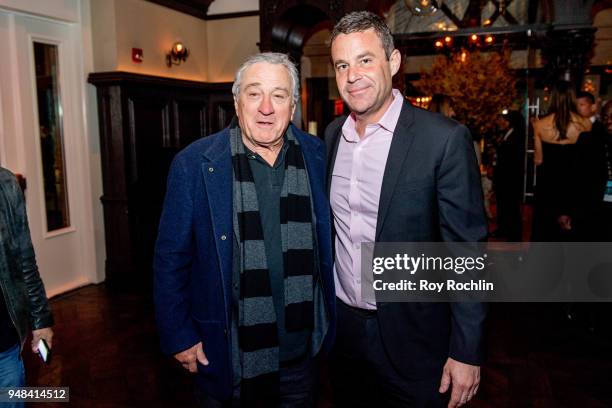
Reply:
x=359, y=21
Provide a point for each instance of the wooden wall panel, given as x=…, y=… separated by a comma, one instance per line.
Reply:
x=144, y=122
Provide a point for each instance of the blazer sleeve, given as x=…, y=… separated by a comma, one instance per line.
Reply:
x=462, y=218
x=174, y=252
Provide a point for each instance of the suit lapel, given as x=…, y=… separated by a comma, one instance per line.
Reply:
x=217, y=175
x=332, y=149
x=400, y=145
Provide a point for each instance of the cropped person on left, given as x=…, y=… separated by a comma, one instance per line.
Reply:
x=23, y=302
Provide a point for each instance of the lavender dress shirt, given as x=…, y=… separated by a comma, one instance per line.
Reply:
x=355, y=192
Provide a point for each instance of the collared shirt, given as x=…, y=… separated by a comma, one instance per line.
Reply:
x=355, y=193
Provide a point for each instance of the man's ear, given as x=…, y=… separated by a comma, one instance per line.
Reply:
x=236, y=105
x=395, y=60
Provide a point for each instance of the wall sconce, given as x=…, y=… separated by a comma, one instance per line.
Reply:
x=177, y=54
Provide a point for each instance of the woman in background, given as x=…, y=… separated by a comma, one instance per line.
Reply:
x=557, y=186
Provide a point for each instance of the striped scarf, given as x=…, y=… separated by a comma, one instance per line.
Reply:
x=257, y=327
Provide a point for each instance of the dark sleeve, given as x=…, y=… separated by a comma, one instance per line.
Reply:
x=462, y=218
x=174, y=252
x=330, y=132
x=40, y=313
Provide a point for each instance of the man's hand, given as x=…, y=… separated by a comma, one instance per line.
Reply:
x=46, y=334
x=464, y=378
x=189, y=357
x=565, y=222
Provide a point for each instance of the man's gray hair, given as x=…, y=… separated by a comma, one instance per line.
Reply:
x=359, y=21
x=275, y=58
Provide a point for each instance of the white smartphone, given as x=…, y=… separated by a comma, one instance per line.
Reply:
x=43, y=350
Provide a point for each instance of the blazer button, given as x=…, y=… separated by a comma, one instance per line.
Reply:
x=223, y=237
x=210, y=169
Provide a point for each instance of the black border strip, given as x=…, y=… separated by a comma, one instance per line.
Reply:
x=224, y=16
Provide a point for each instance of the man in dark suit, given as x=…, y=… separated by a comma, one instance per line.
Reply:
x=606, y=118
x=591, y=174
x=508, y=177
x=244, y=293
x=397, y=174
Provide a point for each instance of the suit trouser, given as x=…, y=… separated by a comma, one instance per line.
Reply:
x=362, y=373
x=297, y=389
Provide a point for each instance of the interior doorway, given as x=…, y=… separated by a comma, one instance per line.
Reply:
x=43, y=137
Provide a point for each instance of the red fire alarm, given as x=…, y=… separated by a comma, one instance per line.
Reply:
x=137, y=55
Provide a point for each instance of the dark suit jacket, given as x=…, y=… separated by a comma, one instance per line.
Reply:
x=194, y=254
x=431, y=192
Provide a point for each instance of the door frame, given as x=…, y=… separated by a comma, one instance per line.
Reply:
x=80, y=133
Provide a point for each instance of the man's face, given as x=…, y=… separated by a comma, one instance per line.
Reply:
x=363, y=73
x=585, y=108
x=606, y=117
x=265, y=103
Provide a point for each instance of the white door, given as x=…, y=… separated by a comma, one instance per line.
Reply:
x=41, y=84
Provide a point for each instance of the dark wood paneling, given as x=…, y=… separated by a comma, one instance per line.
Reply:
x=144, y=122
x=152, y=147
x=190, y=119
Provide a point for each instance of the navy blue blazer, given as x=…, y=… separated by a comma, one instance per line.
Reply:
x=193, y=253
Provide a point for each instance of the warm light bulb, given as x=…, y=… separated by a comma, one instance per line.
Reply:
x=422, y=8
x=439, y=44
x=474, y=37
x=179, y=47
x=489, y=39
x=448, y=39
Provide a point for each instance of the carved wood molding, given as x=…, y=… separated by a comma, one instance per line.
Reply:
x=117, y=77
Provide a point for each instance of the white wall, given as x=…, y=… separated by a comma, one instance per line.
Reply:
x=10, y=155
x=230, y=42
x=65, y=10
x=85, y=150
x=104, y=35
x=155, y=29
x=217, y=47
x=90, y=120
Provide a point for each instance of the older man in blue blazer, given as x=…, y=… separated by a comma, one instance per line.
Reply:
x=244, y=293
